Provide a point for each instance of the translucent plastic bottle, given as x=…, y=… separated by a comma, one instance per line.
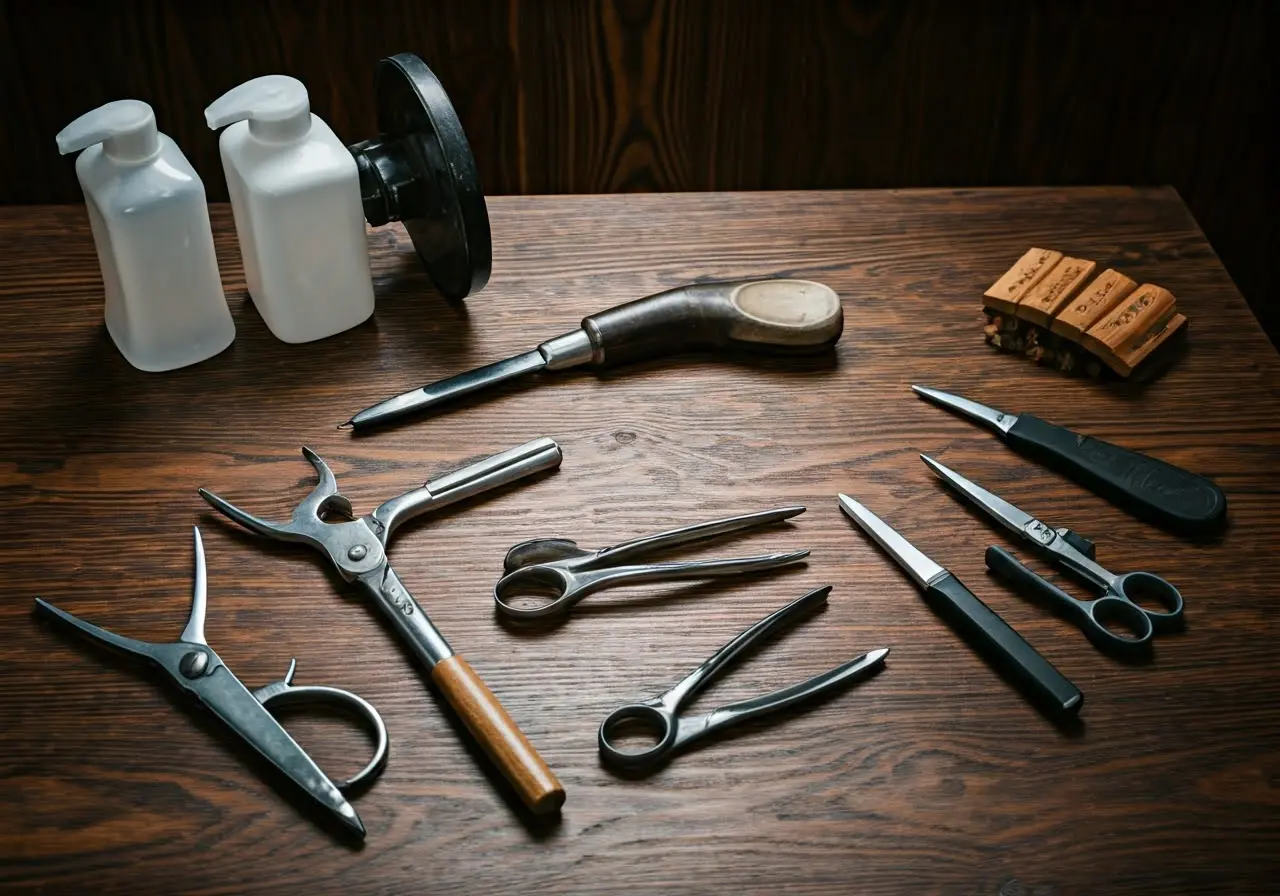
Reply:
x=164, y=302
x=295, y=194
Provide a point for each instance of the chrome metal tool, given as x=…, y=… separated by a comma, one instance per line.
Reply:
x=194, y=667
x=676, y=730
x=357, y=548
x=778, y=316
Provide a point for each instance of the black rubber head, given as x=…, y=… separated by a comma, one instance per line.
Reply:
x=419, y=170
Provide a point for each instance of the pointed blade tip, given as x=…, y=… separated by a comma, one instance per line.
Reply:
x=352, y=822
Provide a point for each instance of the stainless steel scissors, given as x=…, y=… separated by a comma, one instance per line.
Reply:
x=1114, y=621
x=559, y=569
x=357, y=547
x=195, y=668
x=675, y=731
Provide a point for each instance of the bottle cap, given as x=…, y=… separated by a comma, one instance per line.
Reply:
x=276, y=106
x=125, y=128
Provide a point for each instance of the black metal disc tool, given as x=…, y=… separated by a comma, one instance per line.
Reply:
x=419, y=170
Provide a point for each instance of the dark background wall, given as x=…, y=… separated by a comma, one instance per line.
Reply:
x=576, y=96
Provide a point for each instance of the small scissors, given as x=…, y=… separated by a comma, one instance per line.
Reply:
x=193, y=665
x=558, y=568
x=1113, y=621
x=675, y=731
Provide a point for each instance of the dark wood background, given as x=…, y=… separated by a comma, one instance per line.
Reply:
x=932, y=777
x=589, y=96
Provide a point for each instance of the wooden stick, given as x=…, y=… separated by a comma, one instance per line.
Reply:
x=501, y=738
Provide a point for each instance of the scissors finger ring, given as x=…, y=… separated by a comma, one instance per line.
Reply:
x=286, y=693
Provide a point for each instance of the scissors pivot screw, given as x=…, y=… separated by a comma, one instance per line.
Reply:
x=357, y=552
x=193, y=664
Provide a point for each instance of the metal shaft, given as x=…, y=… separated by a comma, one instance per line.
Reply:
x=419, y=400
x=407, y=617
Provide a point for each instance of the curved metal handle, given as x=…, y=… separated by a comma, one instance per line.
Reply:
x=568, y=586
x=848, y=672
x=542, y=550
x=1137, y=588
x=557, y=586
x=659, y=721
x=492, y=472
x=285, y=693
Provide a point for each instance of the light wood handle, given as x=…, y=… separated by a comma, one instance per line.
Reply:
x=501, y=738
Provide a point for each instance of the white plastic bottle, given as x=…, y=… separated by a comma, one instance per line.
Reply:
x=164, y=302
x=295, y=194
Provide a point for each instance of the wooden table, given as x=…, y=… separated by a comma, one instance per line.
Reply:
x=931, y=777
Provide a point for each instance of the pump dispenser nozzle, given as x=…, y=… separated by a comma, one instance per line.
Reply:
x=125, y=128
x=276, y=106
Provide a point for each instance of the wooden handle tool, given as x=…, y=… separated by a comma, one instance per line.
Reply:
x=498, y=733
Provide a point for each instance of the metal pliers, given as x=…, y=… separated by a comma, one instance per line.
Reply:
x=357, y=549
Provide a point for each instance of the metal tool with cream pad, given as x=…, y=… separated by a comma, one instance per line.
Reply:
x=778, y=316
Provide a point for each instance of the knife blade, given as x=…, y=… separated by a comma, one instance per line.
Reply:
x=1150, y=489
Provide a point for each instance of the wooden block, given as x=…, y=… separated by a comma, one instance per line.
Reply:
x=1058, y=287
x=1106, y=292
x=1134, y=328
x=1005, y=293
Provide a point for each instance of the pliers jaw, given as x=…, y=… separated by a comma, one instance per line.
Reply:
x=351, y=544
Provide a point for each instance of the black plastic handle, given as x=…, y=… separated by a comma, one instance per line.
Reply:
x=1003, y=647
x=1144, y=486
x=1112, y=624
x=778, y=315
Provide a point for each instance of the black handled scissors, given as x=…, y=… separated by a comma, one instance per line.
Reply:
x=1114, y=621
x=196, y=669
x=557, y=568
x=675, y=731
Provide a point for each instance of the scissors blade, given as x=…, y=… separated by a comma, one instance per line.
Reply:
x=144, y=649
x=652, y=544
x=232, y=702
x=922, y=570
x=996, y=507
x=997, y=420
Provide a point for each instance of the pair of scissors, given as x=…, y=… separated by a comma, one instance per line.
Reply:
x=357, y=547
x=1115, y=621
x=558, y=569
x=675, y=731
x=196, y=669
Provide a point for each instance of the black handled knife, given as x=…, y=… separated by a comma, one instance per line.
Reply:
x=1150, y=489
x=1003, y=647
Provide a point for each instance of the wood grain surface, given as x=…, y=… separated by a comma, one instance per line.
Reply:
x=602, y=96
x=933, y=776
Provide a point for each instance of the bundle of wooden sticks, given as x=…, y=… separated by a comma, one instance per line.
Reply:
x=1052, y=309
